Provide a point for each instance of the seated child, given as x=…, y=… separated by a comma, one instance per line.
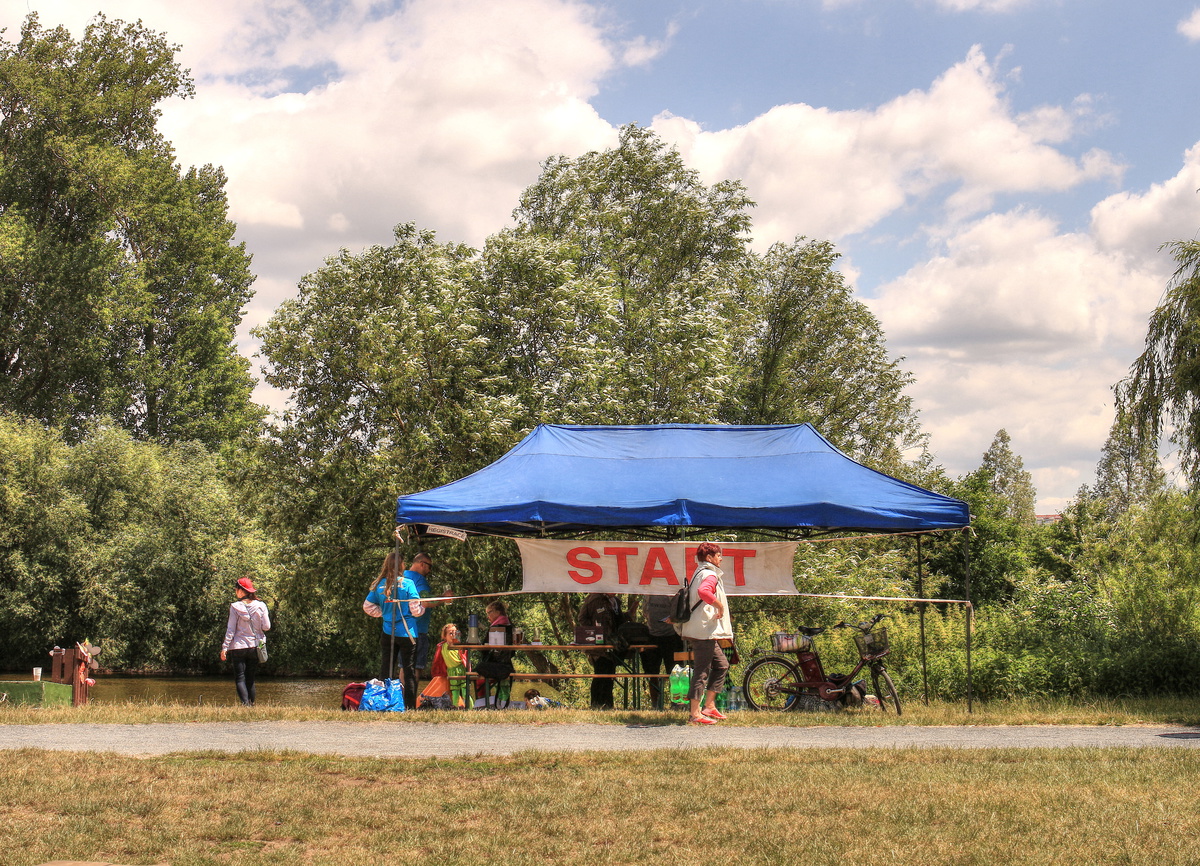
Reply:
x=449, y=661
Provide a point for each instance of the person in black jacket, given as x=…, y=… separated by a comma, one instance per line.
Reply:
x=603, y=610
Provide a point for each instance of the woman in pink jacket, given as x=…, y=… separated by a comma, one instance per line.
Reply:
x=248, y=625
x=708, y=625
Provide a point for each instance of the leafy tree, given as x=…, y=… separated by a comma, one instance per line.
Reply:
x=177, y=374
x=132, y=545
x=813, y=353
x=1129, y=471
x=1162, y=390
x=1004, y=473
x=1147, y=573
x=120, y=284
x=383, y=356
x=545, y=332
x=1005, y=542
x=670, y=250
x=626, y=294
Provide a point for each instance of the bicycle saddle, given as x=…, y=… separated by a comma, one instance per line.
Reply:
x=811, y=630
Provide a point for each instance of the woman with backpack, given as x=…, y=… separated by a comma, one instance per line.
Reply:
x=245, y=631
x=708, y=624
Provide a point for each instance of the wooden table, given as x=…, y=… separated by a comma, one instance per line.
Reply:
x=635, y=674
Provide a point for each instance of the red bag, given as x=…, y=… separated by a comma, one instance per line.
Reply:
x=352, y=696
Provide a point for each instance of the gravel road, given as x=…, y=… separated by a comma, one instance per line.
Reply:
x=447, y=740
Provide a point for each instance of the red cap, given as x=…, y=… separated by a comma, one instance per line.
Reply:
x=246, y=584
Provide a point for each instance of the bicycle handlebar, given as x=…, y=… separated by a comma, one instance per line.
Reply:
x=864, y=626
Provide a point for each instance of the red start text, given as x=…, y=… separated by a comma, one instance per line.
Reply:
x=589, y=565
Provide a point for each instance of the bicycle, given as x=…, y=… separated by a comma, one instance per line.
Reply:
x=775, y=682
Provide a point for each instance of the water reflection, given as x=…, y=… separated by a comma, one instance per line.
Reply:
x=217, y=691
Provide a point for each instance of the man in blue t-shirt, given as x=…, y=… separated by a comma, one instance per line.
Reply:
x=418, y=573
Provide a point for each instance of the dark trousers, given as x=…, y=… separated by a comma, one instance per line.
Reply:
x=602, y=689
x=709, y=667
x=402, y=664
x=422, y=658
x=662, y=657
x=245, y=666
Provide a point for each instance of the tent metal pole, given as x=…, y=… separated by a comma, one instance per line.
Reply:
x=921, y=618
x=396, y=582
x=970, y=614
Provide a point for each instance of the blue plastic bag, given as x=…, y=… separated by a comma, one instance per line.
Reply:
x=386, y=696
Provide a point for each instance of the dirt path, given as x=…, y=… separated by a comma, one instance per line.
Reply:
x=445, y=740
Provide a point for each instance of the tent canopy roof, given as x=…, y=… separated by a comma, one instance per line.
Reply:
x=563, y=478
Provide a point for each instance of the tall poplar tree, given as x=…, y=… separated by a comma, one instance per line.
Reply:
x=121, y=286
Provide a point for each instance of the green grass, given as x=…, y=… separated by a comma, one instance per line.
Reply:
x=1177, y=710
x=882, y=807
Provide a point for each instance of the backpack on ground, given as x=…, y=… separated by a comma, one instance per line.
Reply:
x=352, y=696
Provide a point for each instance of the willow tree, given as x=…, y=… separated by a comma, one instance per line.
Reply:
x=1162, y=391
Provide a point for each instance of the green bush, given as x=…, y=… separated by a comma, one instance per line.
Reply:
x=131, y=545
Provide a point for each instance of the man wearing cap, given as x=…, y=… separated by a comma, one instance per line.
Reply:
x=418, y=573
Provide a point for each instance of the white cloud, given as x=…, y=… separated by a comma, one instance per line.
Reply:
x=827, y=173
x=1016, y=324
x=1139, y=223
x=1010, y=286
x=1190, y=26
x=950, y=5
x=334, y=122
x=438, y=112
x=982, y=5
x=641, y=51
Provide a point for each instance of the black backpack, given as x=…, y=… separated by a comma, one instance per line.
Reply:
x=630, y=634
x=681, y=611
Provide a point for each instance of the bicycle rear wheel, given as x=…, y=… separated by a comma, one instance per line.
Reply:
x=885, y=689
x=771, y=683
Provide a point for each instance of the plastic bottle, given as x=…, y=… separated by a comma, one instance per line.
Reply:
x=730, y=706
x=722, y=700
x=676, y=673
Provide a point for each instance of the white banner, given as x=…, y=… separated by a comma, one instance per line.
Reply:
x=651, y=568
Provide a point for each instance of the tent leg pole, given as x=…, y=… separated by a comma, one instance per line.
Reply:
x=392, y=651
x=921, y=617
x=970, y=615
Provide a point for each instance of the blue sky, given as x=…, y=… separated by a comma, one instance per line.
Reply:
x=998, y=174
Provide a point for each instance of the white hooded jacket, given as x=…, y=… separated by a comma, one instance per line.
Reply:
x=704, y=623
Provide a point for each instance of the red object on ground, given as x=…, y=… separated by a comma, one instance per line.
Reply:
x=352, y=695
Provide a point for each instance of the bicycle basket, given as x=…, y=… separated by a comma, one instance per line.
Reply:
x=872, y=644
x=788, y=642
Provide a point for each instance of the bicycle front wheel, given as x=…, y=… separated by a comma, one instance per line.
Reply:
x=885, y=689
x=771, y=683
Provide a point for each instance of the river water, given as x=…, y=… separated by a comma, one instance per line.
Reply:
x=219, y=691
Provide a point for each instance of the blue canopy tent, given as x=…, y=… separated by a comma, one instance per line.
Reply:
x=683, y=479
x=565, y=479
